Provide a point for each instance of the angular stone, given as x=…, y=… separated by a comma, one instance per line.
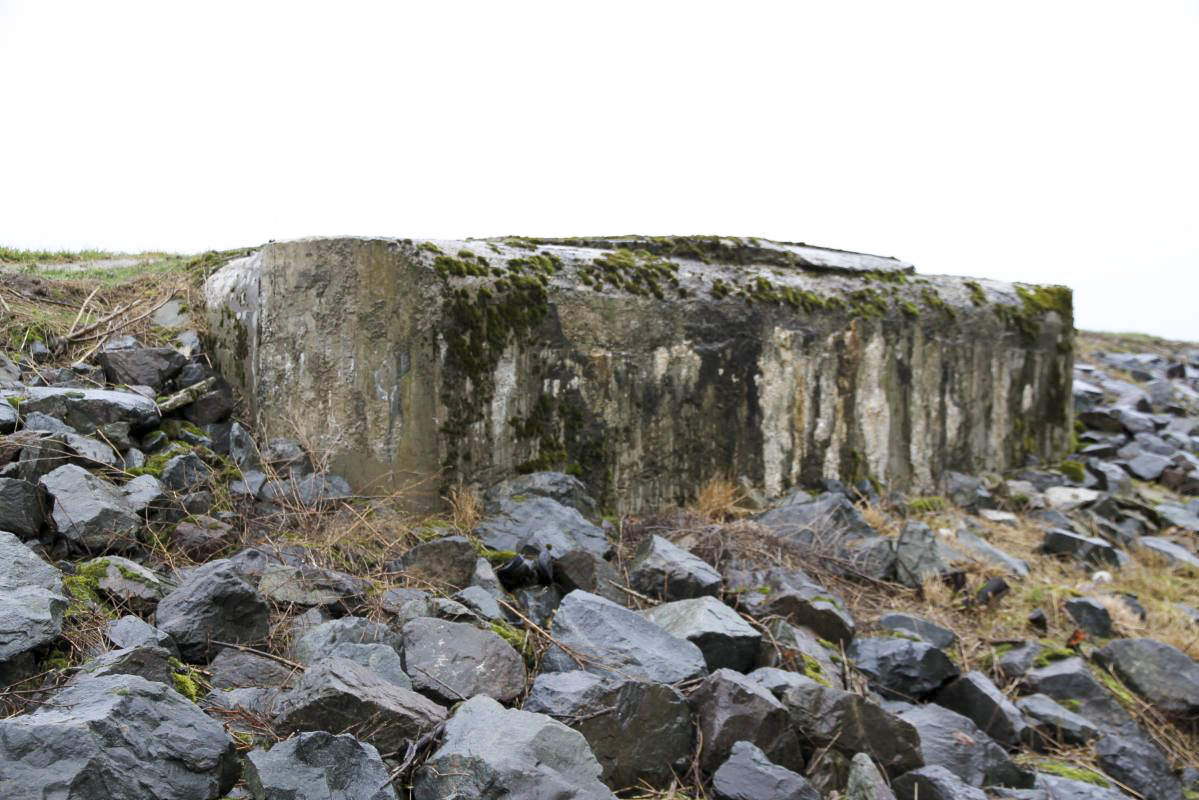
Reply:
x=448, y=561
x=1068, y=498
x=131, y=631
x=795, y=597
x=731, y=708
x=935, y=783
x=930, y=632
x=1137, y=763
x=798, y=649
x=639, y=731
x=1084, y=548
x=984, y=550
x=725, y=639
x=85, y=410
x=452, y=661
x=605, y=636
x=202, y=537
x=31, y=606
x=850, y=724
x=1054, y=722
x=1162, y=674
x=237, y=669
x=1090, y=615
x=316, y=490
x=90, y=512
x=976, y=697
x=565, y=489
x=662, y=569
x=827, y=520
x=952, y=741
x=749, y=775
x=339, y=696
x=1070, y=681
x=582, y=569
x=143, y=493
x=306, y=585
x=151, y=663
x=184, y=472
x=214, y=604
x=865, y=782
x=1055, y=787
x=538, y=522
x=917, y=555
x=902, y=668
x=118, y=737
x=319, y=766
x=22, y=509
x=141, y=366
x=1147, y=466
x=667, y=409
x=126, y=582
x=1174, y=553
x=493, y=753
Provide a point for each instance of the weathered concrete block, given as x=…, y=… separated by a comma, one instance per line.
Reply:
x=643, y=365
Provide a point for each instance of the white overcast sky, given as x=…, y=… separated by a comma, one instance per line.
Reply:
x=1048, y=141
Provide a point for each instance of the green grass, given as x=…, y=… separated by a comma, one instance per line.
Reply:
x=14, y=255
x=157, y=264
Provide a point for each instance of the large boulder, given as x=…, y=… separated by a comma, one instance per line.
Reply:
x=318, y=766
x=86, y=410
x=902, y=668
x=89, y=511
x=493, y=753
x=1070, y=681
x=640, y=732
x=660, y=568
x=951, y=740
x=602, y=636
x=749, y=775
x=452, y=661
x=1137, y=763
x=141, y=366
x=117, y=737
x=565, y=489
x=339, y=696
x=539, y=523
x=1164, y=675
x=976, y=696
x=31, y=606
x=729, y=708
x=214, y=604
x=725, y=639
x=1053, y=722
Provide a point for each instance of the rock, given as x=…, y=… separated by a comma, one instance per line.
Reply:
x=22, y=510
x=730, y=708
x=1091, y=615
x=143, y=493
x=214, y=604
x=725, y=639
x=131, y=631
x=448, y=561
x=1172, y=552
x=798, y=649
x=141, y=366
x=581, y=569
x=406, y=604
x=31, y=607
x=536, y=522
x=826, y=521
x=849, y=723
x=339, y=696
x=1070, y=681
x=452, y=661
x=203, y=537
x=286, y=458
x=1068, y=498
x=1147, y=466
x=317, y=490
x=126, y=582
x=319, y=766
x=242, y=449
x=184, y=472
x=322, y=639
x=85, y=410
x=985, y=551
x=558, y=486
x=977, y=698
x=481, y=602
x=901, y=668
x=1136, y=763
x=917, y=555
x=935, y=783
x=1162, y=674
x=306, y=585
x=117, y=737
x=1179, y=516
x=637, y=730
x=795, y=597
x=865, y=782
x=1016, y=659
x=1054, y=722
x=930, y=632
x=662, y=569
x=952, y=741
x=1084, y=548
x=90, y=512
x=966, y=491
x=611, y=637
x=212, y=406
x=493, y=753
x=151, y=663
x=8, y=415
x=1055, y=787
x=749, y=775
x=237, y=669
x=88, y=452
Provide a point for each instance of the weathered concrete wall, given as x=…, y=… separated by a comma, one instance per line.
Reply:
x=646, y=366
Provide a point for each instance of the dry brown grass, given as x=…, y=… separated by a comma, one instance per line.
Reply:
x=466, y=509
x=719, y=500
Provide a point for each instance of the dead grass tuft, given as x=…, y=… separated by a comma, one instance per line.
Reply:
x=720, y=500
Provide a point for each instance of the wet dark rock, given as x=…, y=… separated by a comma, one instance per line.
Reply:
x=976, y=697
x=142, y=366
x=339, y=696
x=1135, y=762
x=286, y=458
x=1054, y=722
x=1084, y=548
x=213, y=604
x=901, y=668
x=639, y=731
x=184, y=472
x=1090, y=615
x=85, y=410
x=850, y=724
x=795, y=597
x=966, y=491
x=917, y=555
x=662, y=569
x=582, y=569
x=131, y=631
x=865, y=782
x=493, y=753
x=318, y=766
x=31, y=606
x=612, y=637
x=89, y=511
x=1162, y=674
x=929, y=631
x=935, y=783
x=730, y=708
x=799, y=650
x=725, y=639
x=117, y=737
x=448, y=561
x=539, y=603
x=749, y=775
x=211, y=407
x=22, y=507
x=558, y=486
x=1069, y=681
x=306, y=585
x=452, y=661
x=237, y=669
x=951, y=740
x=151, y=663
x=535, y=522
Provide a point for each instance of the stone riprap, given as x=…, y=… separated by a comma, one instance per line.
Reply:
x=643, y=365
